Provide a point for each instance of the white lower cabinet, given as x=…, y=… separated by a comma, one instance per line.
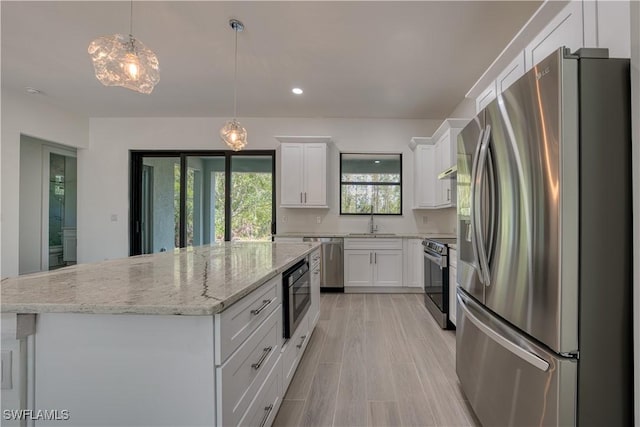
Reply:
x=314, y=310
x=373, y=262
x=244, y=373
x=453, y=284
x=414, y=256
x=265, y=405
x=292, y=352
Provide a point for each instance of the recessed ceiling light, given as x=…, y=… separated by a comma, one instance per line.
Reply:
x=32, y=90
x=376, y=161
x=297, y=91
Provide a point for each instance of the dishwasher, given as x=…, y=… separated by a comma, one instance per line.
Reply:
x=331, y=263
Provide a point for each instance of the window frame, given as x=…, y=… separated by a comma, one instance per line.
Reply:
x=341, y=183
x=135, y=189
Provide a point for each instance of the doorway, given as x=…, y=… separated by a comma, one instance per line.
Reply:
x=48, y=205
x=183, y=199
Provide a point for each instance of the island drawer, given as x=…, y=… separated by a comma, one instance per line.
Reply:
x=235, y=324
x=240, y=378
x=264, y=407
x=315, y=259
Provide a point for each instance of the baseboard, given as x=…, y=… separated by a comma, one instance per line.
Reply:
x=382, y=290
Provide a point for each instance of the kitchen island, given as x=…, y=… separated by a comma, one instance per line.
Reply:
x=186, y=338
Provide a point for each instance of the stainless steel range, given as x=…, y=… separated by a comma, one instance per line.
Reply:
x=436, y=279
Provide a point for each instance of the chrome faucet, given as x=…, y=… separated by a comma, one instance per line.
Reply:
x=372, y=227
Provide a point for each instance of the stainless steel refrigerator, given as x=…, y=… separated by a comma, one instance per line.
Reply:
x=544, y=319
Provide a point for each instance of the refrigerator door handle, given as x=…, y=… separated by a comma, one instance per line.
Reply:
x=482, y=248
x=474, y=232
x=514, y=348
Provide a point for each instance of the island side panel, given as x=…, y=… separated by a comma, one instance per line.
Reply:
x=126, y=370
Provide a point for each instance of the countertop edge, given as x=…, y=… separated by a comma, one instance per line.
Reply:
x=217, y=306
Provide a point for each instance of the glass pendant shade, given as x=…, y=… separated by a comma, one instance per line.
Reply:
x=124, y=61
x=234, y=135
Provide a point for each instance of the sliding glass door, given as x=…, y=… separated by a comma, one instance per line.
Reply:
x=181, y=199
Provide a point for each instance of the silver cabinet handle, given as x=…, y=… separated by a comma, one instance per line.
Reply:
x=316, y=272
x=305, y=197
x=268, y=410
x=448, y=194
x=375, y=257
x=300, y=197
x=304, y=337
x=265, y=353
x=264, y=305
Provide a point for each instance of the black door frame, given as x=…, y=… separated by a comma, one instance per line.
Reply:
x=135, y=189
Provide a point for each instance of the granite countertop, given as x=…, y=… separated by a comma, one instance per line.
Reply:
x=194, y=281
x=366, y=235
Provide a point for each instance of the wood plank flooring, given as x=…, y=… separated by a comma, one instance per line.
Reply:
x=376, y=360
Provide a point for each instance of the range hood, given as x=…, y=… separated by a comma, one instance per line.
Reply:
x=449, y=173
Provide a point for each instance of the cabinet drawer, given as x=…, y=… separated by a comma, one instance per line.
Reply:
x=235, y=324
x=293, y=350
x=372, y=243
x=265, y=406
x=240, y=378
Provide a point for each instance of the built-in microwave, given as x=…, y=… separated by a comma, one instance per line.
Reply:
x=296, y=296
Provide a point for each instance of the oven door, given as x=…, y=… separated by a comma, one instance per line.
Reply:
x=436, y=296
x=299, y=302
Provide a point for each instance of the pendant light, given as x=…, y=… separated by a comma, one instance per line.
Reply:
x=232, y=133
x=125, y=61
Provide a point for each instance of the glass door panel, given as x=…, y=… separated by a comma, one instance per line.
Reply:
x=160, y=204
x=205, y=201
x=251, y=197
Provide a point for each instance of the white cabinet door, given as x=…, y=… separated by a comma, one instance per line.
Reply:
x=387, y=268
x=291, y=174
x=511, y=73
x=424, y=164
x=358, y=269
x=315, y=174
x=445, y=157
x=566, y=29
x=486, y=96
x=415, y=264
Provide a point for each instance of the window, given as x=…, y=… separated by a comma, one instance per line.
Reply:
x=182, y=199
x=370, y=183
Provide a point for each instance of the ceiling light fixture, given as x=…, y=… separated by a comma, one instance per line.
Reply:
x=297, y=91
x=232, y=133
x=125, y=61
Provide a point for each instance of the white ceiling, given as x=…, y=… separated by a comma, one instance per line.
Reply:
x=353, y=59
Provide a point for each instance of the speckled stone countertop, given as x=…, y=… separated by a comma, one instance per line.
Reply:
x=195, y=281
x=366, y=235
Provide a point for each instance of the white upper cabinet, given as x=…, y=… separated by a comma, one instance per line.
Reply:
x=513, y=72
x=303, y=172
x=424, y=183
x=486, y=96
x=431, y=157
x=580, y=23
x=566, y=29
x=445, y=158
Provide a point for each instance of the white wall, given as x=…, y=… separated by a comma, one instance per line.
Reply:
x=30, y=226
x=28, y=115
x=104, y=171
x=635, y=117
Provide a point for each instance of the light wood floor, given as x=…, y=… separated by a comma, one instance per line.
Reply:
x=376, y=360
